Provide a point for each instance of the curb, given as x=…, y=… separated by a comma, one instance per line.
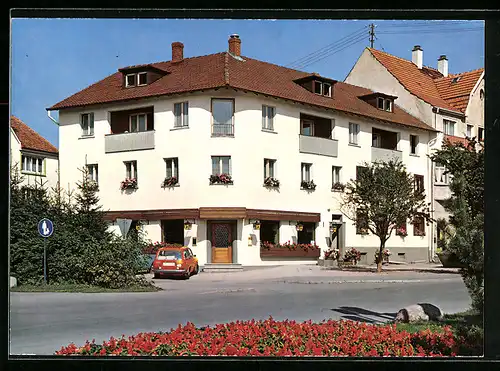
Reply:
x=359, y=281
x=374, y=270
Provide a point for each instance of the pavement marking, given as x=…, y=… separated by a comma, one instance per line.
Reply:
x=227, y=291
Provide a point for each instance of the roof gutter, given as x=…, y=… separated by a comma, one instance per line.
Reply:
x=450, y=112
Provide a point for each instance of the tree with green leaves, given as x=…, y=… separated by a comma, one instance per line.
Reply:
x=381, y=198
x=465, y=164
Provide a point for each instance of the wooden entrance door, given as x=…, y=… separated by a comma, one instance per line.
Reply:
x=222, y=250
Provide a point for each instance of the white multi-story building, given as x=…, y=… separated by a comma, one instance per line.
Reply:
x=35, y=158
x=196, y=118
x=453, y=104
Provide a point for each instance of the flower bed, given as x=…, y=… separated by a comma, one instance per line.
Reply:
x=271, y=182
x=169, y=182
x=153, y=248
x=288, y=249
x=129, y=183
x=220, y=179
x=278, y=338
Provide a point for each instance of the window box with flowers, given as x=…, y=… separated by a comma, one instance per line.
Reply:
x=401, y=231
x=129, y=183
x=220, y=179
x=290, y=250
x=338, y=187
x=308, y=185
x=170, y=182
x=271, y=182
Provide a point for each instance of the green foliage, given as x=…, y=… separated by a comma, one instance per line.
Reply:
x=383, y=197
x=81, y=250
x=466, y=206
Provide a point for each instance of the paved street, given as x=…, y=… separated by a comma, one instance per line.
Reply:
x=42, y=322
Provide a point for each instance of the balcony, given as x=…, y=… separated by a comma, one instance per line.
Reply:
x=383, y=154
x=316, y=135
x=123, y=142
x=318, y=146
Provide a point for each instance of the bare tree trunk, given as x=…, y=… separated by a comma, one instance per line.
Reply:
x=380, y=257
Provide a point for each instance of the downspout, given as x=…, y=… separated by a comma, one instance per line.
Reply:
x=58, y=164
x=430, y=169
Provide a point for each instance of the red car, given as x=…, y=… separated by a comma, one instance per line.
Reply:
x=175, y=261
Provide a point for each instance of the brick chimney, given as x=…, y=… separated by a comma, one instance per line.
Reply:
x=417, y=56
x=443, y=65
x=177, y=51
x=235, y=45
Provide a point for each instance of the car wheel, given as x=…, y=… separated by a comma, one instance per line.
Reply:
x=196, y=269
x=187, y=275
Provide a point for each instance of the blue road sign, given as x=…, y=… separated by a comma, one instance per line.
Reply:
x=45, y=227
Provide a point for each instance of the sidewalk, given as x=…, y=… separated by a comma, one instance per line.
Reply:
x=424, y=268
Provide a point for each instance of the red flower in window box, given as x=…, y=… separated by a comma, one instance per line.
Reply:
x=221, y=179
x=170, y=182
x=129, y=183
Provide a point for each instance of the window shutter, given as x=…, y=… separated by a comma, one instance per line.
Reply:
x=91, y=123
x=186, y=114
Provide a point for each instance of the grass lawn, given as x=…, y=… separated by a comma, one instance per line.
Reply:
x=80, y=288
x=455, y=321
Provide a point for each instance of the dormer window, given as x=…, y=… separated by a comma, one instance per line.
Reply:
x=384, y=104
x=322, y=88
x=136, y=79
x=455, y=80
x=142, y=78
x=130, y=80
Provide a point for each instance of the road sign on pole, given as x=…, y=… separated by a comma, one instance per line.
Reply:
x=124, y=225
x=45, y=229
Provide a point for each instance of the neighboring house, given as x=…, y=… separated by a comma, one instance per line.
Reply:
x=194, y=119
x=451, y=103
x=35, y=158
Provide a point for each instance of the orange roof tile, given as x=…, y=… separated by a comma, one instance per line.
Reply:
x=429, y=84
x=223, y=70
x=457, y=93
x=29, y=138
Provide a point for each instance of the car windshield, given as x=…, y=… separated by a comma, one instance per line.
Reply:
x=169, y=254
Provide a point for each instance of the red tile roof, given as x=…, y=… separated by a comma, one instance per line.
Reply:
x=247, y=74
x=29, y=138
x=429, y=84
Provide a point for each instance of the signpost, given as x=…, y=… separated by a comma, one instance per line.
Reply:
x=45, y=229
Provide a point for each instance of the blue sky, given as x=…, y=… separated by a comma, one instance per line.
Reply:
x=55, y=58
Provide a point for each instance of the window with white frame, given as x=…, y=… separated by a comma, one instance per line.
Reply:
x=138, y=122
x=93, y=172
x=32, y=164
x=323, y=88
x=269, y=168
x=172, y=167
x=142, y=78
x=306, y=172
x=181, y=111
x=413, y=144
x=384, y=104
x=268, y=114
x=469, y=131
x=87, y=124
x=130, y=80
x=449, y=127
x=131, y=169
x=353, y=133
x=222, y=117
x=307, y=127
x=376, y=140
x=336, y=174
x=221, y=165
x=480, y=134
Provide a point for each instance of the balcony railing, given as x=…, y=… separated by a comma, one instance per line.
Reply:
x=318, y=146
x=129, y=141
x=222, y=130
x=383, y=154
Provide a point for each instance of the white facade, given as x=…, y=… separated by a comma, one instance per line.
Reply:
x=48, y=176
x=194, y=146
x=370, y=73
